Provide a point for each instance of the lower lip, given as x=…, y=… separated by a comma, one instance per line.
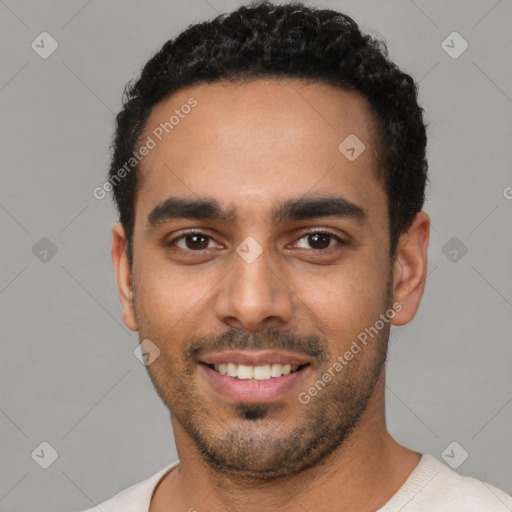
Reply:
x=253, y=391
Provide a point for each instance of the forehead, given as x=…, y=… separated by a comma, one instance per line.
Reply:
x=257, y=142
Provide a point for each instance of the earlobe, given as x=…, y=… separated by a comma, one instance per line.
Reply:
x=123, y=275
x=410, y=268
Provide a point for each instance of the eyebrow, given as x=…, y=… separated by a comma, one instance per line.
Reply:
x=292, y=209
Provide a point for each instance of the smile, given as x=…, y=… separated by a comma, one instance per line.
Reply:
x=261, y=372
x=254, y=376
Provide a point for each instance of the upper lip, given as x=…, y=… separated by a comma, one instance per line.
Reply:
x=255, y=357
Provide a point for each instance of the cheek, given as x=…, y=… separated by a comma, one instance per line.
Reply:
x=168, y=296
x=345, y=299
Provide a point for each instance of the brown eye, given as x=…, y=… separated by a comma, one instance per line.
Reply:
x=191, y=242
x=197, y=242
x=318, y=241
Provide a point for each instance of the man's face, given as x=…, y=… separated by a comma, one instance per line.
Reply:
x=256, y=288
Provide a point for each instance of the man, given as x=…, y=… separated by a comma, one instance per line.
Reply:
x=269, y=169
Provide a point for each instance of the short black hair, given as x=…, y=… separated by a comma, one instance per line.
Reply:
x=284, y=41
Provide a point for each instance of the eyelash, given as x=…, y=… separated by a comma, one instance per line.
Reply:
x=327, y=250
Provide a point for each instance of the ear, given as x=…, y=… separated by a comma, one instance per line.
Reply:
x=123, y=275
x=410, y=268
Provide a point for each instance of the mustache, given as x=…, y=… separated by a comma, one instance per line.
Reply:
x=269, y=339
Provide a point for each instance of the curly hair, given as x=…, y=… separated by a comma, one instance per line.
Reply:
x=292, y=41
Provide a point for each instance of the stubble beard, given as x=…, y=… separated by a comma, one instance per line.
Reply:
x=254, y=446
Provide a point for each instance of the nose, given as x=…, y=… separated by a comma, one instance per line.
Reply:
x=253, y=296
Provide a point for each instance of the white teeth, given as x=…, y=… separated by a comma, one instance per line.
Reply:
x=277, y=370
x=231, y=369
x=262, y=372
x=245, y=372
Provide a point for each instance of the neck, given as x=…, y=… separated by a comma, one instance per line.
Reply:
x=363, y=474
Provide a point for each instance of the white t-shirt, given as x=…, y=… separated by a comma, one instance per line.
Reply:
x=431, y=487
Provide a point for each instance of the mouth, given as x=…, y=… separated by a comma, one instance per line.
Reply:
x=258, y=373
x=253, y=377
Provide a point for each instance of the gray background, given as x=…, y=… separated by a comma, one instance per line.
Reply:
x=68, y=373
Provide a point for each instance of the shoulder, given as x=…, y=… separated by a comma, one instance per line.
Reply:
x=135, y=498
x=435, y=487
